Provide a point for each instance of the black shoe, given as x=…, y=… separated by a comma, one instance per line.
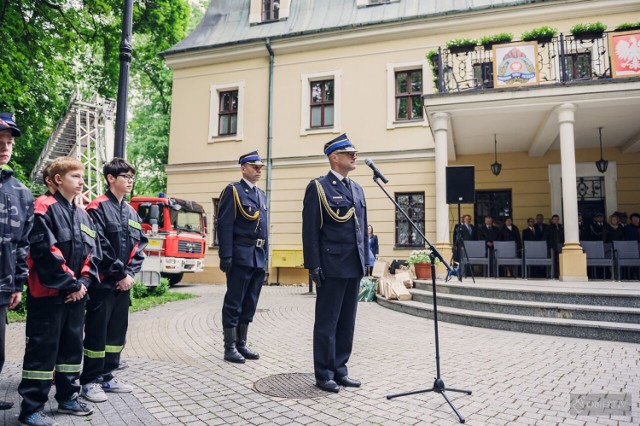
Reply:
x=5, y=405
x=348, y=383
x=241, y=343
x=328, y=385
x=231, y=354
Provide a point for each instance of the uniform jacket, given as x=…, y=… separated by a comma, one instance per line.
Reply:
x=488, y=234
x=64, y=251
x=121, y=239
x=236, y=230
x=529, y=234
x=510, y=235
x=554, y=236
x=467, y=234
x=339, y=248
x=16, y=221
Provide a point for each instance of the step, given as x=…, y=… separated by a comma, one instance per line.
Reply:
x=599, y=330
x=613, y=314
x=541, y=292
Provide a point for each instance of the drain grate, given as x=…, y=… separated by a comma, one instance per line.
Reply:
x=289, y=385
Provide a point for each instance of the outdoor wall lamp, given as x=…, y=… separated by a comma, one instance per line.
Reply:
x=497, y=167
x=601, y=164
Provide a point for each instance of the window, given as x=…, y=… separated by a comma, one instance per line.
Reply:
x=321, y=105
x=215, y=203
x=413, y=204
x=228, y=115
x=578, y=65
x=493, y=202
x=270, y=10
x=226, y=112
x=408, y=95
x=405, y=87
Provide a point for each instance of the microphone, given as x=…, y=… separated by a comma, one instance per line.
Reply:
x=376, y=173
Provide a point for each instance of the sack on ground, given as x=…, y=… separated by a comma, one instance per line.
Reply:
x=379, y=268
x=368, y=287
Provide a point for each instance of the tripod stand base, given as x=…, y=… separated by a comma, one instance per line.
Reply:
x=439, y=387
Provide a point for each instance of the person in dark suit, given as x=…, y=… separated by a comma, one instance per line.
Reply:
x=510, y=232
x=529, y=233
x=596, y=228
x=243, y=237
x=632, y=230
x=540, y=226
x=613, y=231
x=335, y=245
x=488, y=233
x=467, y=233
x=554, y=236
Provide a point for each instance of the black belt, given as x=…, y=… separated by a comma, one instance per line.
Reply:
x=253, y=242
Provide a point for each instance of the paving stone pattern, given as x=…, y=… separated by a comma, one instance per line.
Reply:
x=179, y=376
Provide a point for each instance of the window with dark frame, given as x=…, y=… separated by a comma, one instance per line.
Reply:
x=270, y=10
x=413, y=204
x=321, y=103
x=214, y=223
x=408, y=95
x=578, y=65
x=228, y=113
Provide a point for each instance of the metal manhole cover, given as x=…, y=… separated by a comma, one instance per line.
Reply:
x=289, y=385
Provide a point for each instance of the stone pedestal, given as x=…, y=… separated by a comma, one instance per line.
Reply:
x=573, y=263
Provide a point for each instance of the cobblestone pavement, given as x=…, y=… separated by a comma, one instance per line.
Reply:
x=179, y=377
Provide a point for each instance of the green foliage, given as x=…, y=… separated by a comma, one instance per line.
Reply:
x=432, y=57
x=140, y=291
x=149, y=302
x=544, y=33
x=628, y=26
x=490, y=39
x=420, y=256
x=595, y=27
x=461, y=42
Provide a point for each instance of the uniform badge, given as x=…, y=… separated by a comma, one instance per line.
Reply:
x=334, y=182
x=337, y=197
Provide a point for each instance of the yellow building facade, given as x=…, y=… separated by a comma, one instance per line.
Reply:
x=270, y=64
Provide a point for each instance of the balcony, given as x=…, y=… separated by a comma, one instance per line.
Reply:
x=564, y=60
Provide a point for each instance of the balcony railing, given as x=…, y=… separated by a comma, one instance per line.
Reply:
x=563, y=59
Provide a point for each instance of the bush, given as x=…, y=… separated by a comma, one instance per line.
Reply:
x=139, y=290
x=595, y=27
x=462, y=42
x=545, y=33
x=628, y=26
x=496, y=39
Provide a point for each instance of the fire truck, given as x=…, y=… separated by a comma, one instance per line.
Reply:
x=177, y=232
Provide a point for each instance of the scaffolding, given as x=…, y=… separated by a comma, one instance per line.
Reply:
x=86, y=132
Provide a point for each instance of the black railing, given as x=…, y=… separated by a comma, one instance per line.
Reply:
x=563, y=59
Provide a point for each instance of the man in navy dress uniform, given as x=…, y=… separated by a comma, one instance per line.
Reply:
x=335, y=243
x=242, y=234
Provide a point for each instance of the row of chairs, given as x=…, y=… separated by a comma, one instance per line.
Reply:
x=616, y=256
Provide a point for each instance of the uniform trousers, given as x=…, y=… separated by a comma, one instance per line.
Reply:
x=244, y=284
x=336, y=306
x=106, y=325
x=54, y=342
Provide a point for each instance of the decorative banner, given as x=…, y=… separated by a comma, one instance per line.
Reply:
x=515, y=64
x=624, y=50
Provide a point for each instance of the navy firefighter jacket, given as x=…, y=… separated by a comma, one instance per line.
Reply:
x=243, y=225
x=121, y=239
x=64, y=251
x=334, y=228
x=16, y=220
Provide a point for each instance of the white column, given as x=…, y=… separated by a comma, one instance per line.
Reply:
x=440, y=127
x=568, y=164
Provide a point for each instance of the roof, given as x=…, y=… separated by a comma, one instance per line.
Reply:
x=226, y=22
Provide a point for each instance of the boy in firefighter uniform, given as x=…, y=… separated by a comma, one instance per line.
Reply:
x=242, y=233
x=122, y=242
x=16, y=220
x=63, y=264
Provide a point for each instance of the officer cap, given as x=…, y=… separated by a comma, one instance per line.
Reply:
x=339, y=144
x=8, y=122
x=251, y=158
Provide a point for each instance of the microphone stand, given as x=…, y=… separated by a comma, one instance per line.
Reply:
x=438, y=384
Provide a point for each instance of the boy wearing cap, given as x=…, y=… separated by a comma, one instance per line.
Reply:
x=63, y=257
x=16, y=221
x=243, y=238
x=123, y=243
x=335, y=244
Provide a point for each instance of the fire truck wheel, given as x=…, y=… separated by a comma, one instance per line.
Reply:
x=173, y=278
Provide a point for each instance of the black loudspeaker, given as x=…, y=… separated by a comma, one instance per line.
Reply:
x=461, y=185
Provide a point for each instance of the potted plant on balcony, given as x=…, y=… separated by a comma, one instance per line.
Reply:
x=628, y=26
x=542, y=35
x=489, y=40
x=462, y=45
x=422, y=263
x=588, y=31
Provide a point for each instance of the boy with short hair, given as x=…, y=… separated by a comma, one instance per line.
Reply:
x=122, y=242
x=63, y=258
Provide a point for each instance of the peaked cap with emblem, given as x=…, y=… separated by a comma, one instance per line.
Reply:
x=8, y=122
x=251, y=158
x=339, y=144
